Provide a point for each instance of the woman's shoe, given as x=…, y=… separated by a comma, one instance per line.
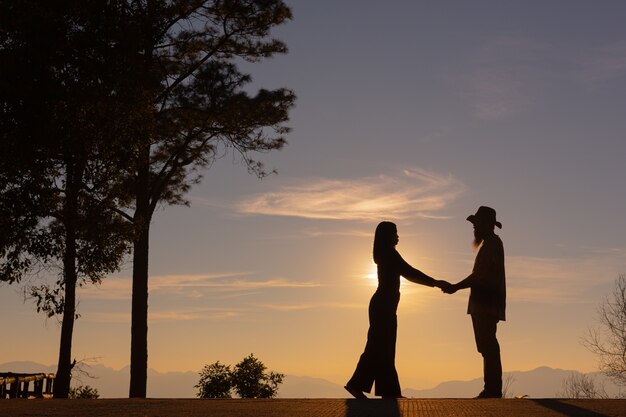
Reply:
x=358, y=394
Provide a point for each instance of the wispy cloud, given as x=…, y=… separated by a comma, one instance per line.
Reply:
x=325, y=232
x=194, y=314
x=562, y=280
x=504, y=76
x=603, y=64
x=507, y=75
x=193, y=286
x=310, y=306
x=409, y=193
x=287, y=307
x=496, y=94
x=158, y=316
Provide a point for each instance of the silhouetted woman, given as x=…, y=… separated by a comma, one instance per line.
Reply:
x=377, y=363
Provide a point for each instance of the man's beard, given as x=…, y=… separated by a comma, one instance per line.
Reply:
x=478, y=240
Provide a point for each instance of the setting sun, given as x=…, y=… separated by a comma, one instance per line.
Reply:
x=372, y=272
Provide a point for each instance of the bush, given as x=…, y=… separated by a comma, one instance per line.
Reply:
x=215, y=381
x=248, y=379
x=84, y=392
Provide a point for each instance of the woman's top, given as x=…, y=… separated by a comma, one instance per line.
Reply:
x=391, y=266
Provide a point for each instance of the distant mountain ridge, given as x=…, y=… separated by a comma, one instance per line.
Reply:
x=542, y=382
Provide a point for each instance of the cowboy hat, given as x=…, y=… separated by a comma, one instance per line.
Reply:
x=485, y=215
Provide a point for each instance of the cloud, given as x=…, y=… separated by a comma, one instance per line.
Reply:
x=322, y=232
x=584, y=279
x=160, y=316
x=496, y=94
x=310, y=306
x=410, y=193
x=349, y=233
x=505, y=77
x=603, y=64
x=193, y=314
x=191, y=286
x=286, y=307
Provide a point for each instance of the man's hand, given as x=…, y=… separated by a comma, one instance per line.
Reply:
x=445, y=286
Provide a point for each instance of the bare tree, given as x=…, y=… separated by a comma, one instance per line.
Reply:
x=608, y=340
x=578, y=385
x=507, y=385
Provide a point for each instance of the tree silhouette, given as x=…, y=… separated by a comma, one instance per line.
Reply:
x=111, y=108
x=248, y=379
x=195, y=108
x=215, y=381
x=578, y=385
x=608, y=340
x=60, y=124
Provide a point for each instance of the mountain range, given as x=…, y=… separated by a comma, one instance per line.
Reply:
x=542, y=382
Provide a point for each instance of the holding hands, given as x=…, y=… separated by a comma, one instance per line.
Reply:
x=446, y=286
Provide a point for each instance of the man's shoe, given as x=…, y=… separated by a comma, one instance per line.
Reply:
x=486, y=394
x=358, y=394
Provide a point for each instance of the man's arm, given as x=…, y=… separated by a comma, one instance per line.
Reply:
x=478, y=276
x=468, y=282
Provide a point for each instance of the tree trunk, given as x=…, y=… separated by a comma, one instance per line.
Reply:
x=142, y=219
x=64, y=369
x=139, y=320
x=139, y=329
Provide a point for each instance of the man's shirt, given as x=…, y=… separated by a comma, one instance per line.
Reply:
x=488, y=295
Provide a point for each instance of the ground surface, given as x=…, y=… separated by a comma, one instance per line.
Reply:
x=312, y=407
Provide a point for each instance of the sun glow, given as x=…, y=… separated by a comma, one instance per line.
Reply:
x=372, y=275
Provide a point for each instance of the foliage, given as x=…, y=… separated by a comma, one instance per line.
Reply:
x=61, y=123
x=215, y=381
x=109, y=109
x=608, y=340
x=194, y=107
x=83, y=392
x=32, y=168
x=248, y=379
x=251, y=381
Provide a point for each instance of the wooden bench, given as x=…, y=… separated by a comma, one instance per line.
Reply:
x=14, y=385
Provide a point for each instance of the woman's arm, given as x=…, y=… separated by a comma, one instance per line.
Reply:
x=415, y=275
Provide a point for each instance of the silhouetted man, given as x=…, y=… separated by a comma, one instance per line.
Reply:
x=487, y=301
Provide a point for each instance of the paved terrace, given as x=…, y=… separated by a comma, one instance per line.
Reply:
x=312, y=408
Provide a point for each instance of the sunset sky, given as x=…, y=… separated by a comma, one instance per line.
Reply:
x=411, y=111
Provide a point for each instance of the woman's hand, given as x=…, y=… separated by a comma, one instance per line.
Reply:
x=445, y=286
x=450, y=288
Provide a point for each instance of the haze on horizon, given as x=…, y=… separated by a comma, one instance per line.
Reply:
x=415, y=112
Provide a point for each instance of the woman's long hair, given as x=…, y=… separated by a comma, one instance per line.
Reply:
x=384, y=240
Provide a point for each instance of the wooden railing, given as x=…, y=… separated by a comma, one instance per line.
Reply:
x=14, y=385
